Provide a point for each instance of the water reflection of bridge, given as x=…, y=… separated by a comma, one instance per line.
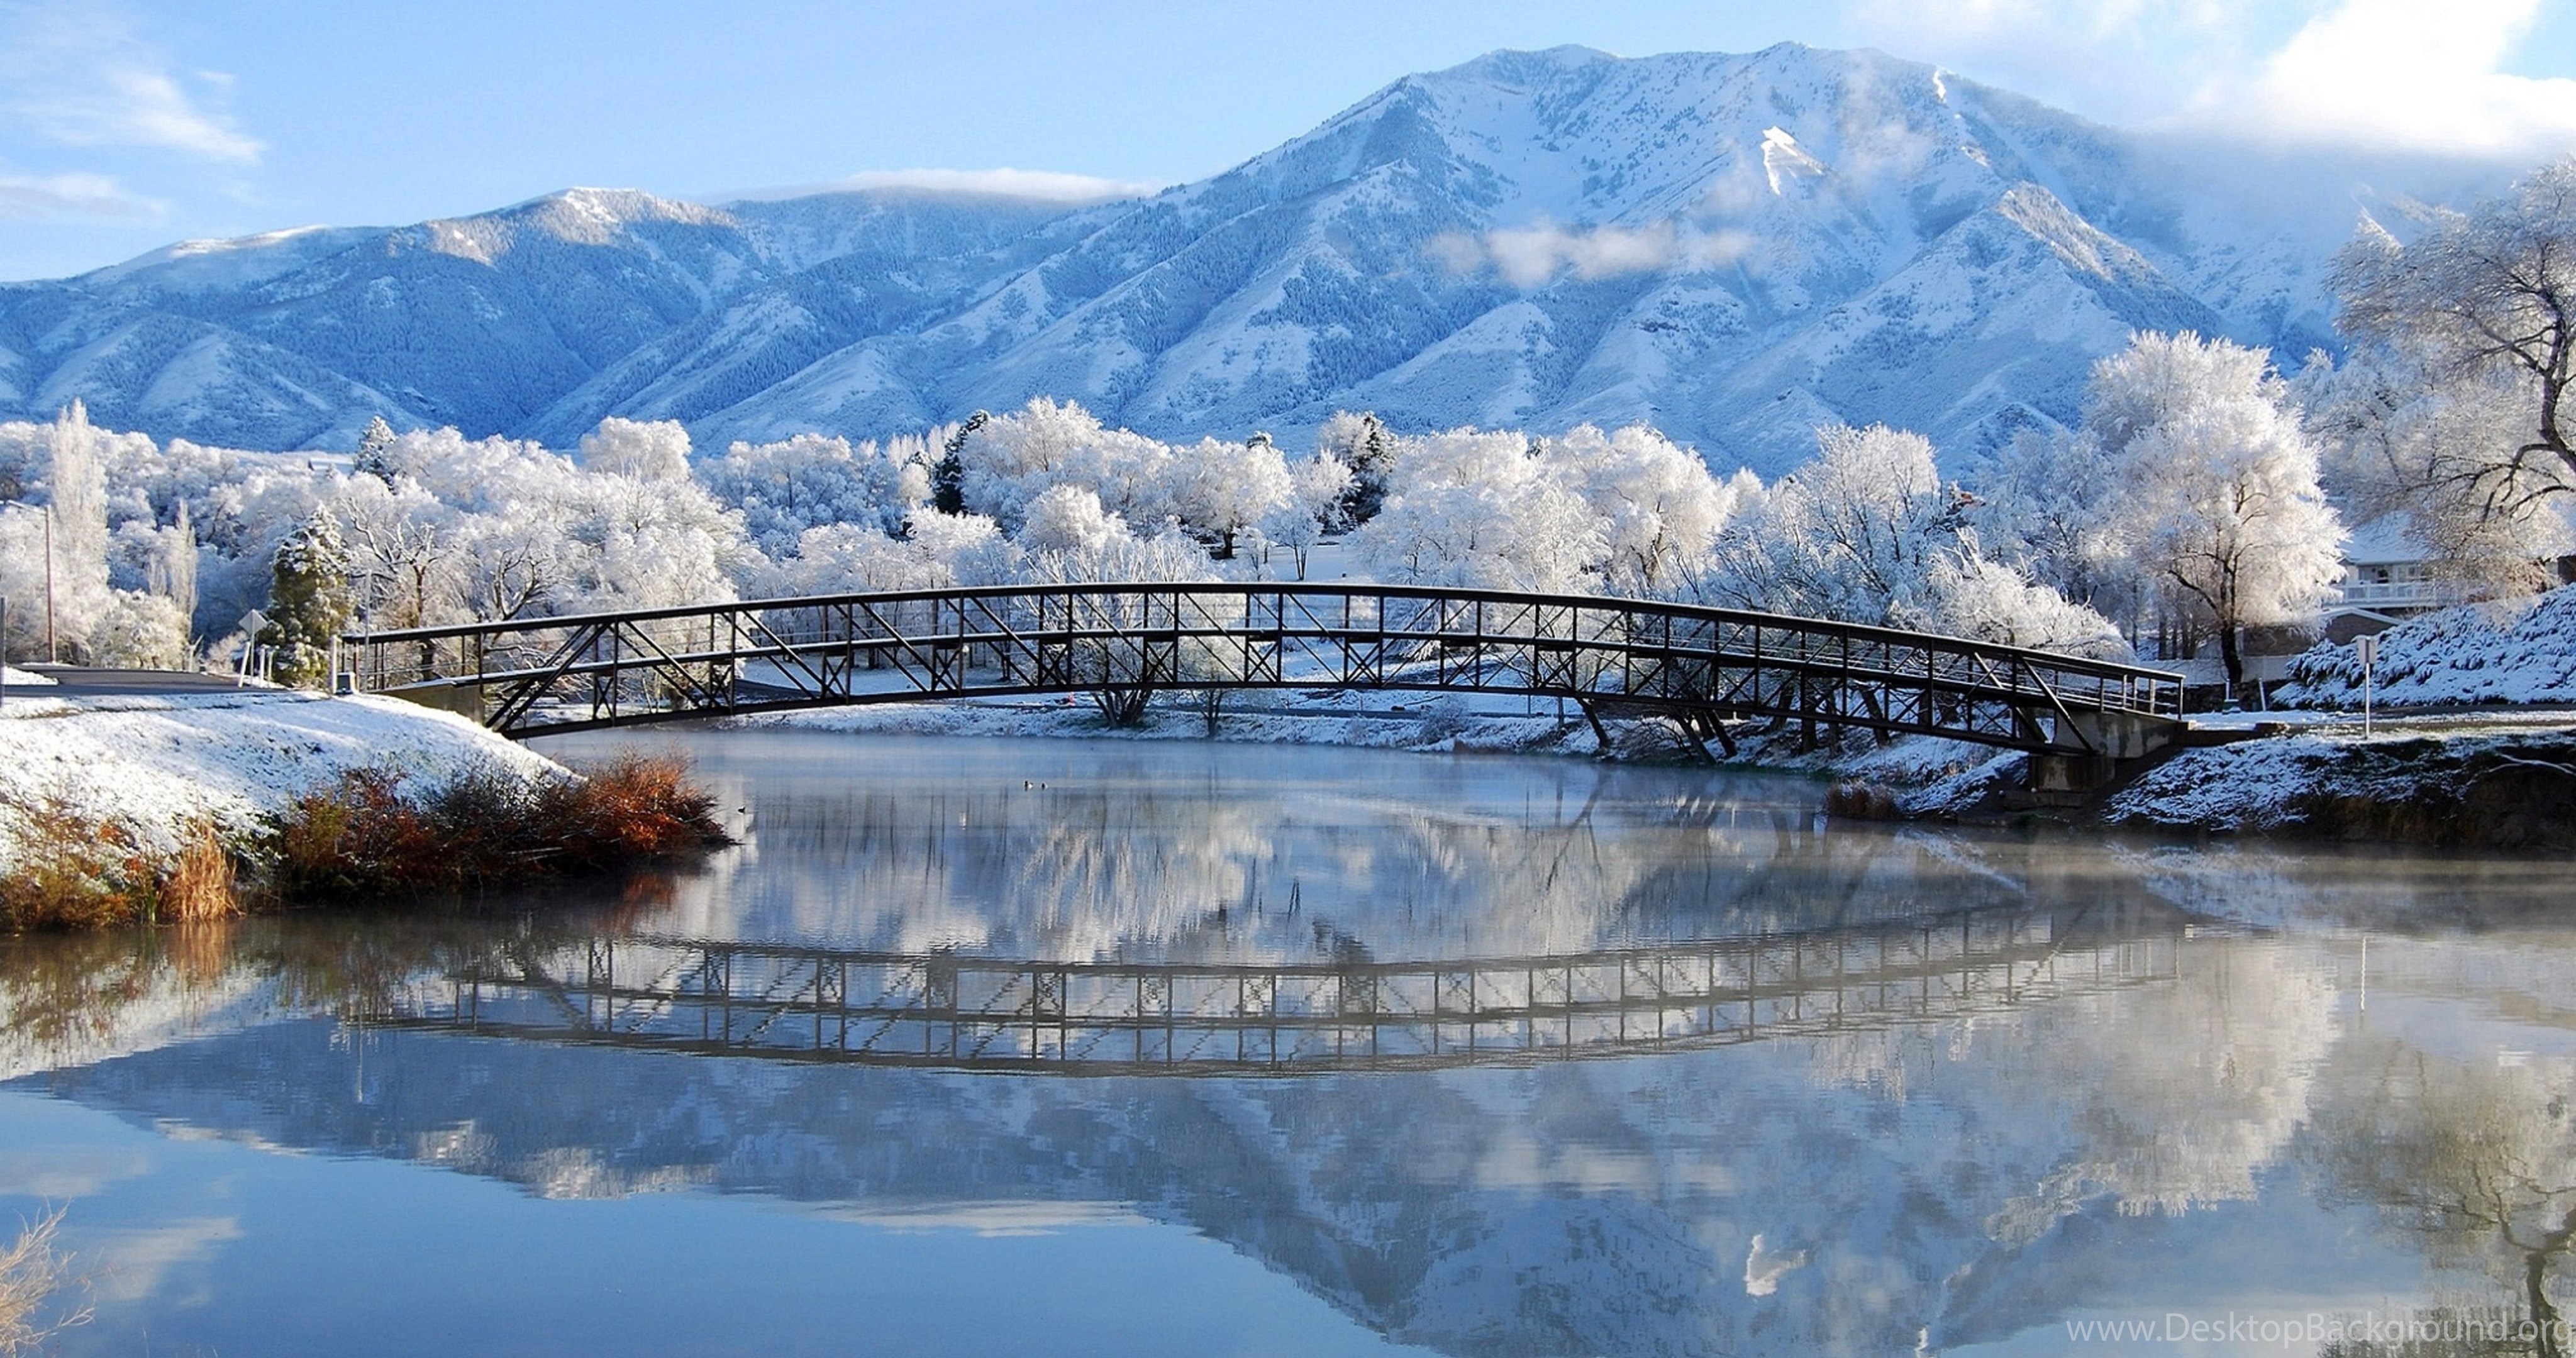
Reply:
x=973, y=1013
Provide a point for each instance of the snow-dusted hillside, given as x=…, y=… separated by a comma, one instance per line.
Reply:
x=1730, y=247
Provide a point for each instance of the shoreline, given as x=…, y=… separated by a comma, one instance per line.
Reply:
x=2450, y=778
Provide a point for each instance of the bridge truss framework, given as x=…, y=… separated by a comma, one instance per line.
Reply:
x=1702, y=666
x=963, y=1012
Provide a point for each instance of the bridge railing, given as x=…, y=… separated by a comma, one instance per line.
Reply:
x=1091, y=1017
x=1053, y=638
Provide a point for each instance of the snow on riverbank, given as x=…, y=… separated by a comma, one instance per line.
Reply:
x=159, y=764
x=2511, y=651
x=1371, y=721
x=2457, y=785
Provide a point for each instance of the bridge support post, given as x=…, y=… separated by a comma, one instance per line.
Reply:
x=2121, y=743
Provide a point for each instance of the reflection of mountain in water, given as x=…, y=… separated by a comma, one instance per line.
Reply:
x=1945, y=1173
x=1896, y=1178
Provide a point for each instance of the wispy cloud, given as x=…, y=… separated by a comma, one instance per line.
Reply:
x=76, y=72
x=2400, y=74
x=1043, y=185
x=2406, y=74
x=73, y=197
x=1533, y=255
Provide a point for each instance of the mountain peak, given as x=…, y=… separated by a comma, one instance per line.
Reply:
x=1730, y=246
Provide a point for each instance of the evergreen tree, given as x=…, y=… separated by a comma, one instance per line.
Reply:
x=373, y=445
x=948, y=479
x=1364, y=445
x=309, y=601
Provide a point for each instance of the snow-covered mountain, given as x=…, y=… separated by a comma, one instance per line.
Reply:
x=1731, y=247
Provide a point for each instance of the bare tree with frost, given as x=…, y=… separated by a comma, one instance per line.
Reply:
x=2457, y=408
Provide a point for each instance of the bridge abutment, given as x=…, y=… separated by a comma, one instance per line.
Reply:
x=2122, y=745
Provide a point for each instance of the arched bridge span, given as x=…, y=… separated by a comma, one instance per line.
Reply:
x=1703, y=666
x=962, y=1012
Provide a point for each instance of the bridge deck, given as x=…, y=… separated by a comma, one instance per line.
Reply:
x=1706, y=665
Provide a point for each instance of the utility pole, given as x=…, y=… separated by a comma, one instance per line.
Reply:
x=52, y=657
x=2368, y=653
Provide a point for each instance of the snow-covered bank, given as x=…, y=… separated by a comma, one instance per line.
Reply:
x=2504, y=780
x=2463, y=787
x=161, y=765
x=1427, y=723
x=13, y=677
x=2510, y=651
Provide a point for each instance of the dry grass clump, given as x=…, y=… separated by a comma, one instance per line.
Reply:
x=31, y=1272
x=200, y=884
x=366, y=836
x=1861, y=801
x=74, y=870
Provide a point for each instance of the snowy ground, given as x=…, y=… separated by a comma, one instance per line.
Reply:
x=14, y=677
x=1398, y=721
x=2516, y=651
x=160, y=764
x=2470, y=780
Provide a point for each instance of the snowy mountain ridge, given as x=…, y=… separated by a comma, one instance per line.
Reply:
x=1731, y=247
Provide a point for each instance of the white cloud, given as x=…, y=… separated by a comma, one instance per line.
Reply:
x=2406, y=74
x=1043, y=185
x=73, y=197
x=76, y=73
x=135, y=1264
x=2117, y=60
x=1529, y=256
x=2401, y=74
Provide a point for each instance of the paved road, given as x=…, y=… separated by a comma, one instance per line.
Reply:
x=76, y=681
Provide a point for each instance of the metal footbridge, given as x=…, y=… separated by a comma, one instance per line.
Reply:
x=964, y=1012
x=1702, y=667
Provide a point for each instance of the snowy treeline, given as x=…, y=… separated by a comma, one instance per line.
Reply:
x=163, y=551
x=2197, y=496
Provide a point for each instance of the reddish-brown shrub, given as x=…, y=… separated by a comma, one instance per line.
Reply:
x=73, y=871
x=487, y=827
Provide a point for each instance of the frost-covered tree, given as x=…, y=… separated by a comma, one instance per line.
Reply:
x=1482, y=509
x=1868, y=533
x=648, y=450
x=1316, y=487
x=1070, y=520
x=374, y=442
x=1362, y=443
x=787, y=487
x=1852, y=535
x=22, y=580
x=1660, y=509
x=2481, y=306
x=140, y=630
x=309, y=601
x=1012, y=459
x=1098, y=549
x=402, y=552
x=76, y=490
x=2404, y=447
x=2047, y=494
x=1221, y=488
x=2213, y=491
x=161, y=562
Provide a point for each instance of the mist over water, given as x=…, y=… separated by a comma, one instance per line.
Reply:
x=1185, y=1047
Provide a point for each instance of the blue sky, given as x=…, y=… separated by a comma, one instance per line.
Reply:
x=125, y=124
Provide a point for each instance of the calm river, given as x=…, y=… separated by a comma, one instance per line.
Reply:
x=1066, y=1047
